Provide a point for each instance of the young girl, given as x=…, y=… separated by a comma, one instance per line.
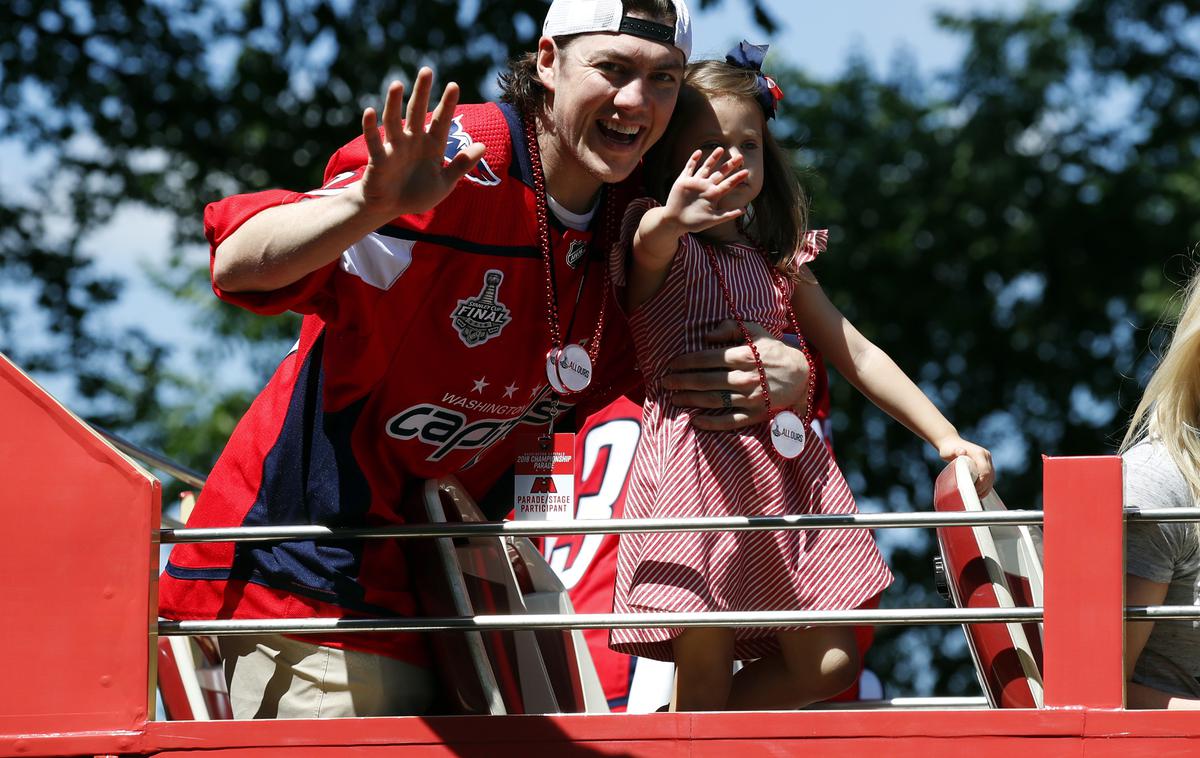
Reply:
x=728, y=242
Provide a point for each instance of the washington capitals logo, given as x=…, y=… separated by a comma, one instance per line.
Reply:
x=478, y=319
x=457, y=141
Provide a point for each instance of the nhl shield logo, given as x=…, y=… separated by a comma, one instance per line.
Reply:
x=576, y=253
x=480, y=318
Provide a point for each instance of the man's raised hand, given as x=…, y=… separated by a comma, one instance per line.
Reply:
x=406, y=171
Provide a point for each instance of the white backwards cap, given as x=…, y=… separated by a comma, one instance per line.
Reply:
x=585, y=16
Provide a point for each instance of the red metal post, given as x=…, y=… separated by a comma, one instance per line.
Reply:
x=78, y=560
x=1084, y=583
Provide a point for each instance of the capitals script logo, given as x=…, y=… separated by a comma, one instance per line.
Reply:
x=447, y=430
x=457, y=141
x=480, y=318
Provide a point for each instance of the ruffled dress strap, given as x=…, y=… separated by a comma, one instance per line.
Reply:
x=812, y=244
x=618, y=256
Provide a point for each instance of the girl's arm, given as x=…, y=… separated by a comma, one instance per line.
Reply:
x=876, y=375
x=693, y=205
x=654, y=246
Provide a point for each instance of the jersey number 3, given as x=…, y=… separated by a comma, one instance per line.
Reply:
x=599, y=491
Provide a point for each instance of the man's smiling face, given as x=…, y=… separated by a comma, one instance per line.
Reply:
x=610, y=97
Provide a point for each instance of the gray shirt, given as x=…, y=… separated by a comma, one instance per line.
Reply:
x=1168, y=553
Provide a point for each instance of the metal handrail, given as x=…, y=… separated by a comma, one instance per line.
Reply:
x=1162, y=613
x=530, y=621
x=628, y=526
x=152, y=459
x=595, y=526
x=939, y=703
x=605, y=526
x=527, y=621
x=175, y=534
x=1162, y=514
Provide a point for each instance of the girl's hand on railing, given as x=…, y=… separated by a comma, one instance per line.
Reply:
x=981, y=461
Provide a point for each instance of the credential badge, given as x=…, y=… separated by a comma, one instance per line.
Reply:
x=576, y=253
x=478, y=319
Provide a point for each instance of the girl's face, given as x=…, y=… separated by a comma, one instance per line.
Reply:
x=735, y=124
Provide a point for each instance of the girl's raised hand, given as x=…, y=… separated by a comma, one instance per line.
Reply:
x=406, y=171
x=695, y=198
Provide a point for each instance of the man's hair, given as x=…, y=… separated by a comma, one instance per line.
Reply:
x=521, y=86
x=780, y=212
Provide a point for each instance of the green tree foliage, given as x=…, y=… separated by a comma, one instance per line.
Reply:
x=1008, y=231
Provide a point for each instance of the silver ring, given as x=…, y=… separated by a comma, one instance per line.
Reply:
x=726, y=399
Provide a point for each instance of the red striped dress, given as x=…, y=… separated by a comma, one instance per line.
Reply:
x=682, y=472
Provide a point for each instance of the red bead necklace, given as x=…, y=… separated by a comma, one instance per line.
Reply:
x=787, y=435
x=568, y=366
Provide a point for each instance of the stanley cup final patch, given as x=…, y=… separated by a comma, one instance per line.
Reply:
x=480, y=318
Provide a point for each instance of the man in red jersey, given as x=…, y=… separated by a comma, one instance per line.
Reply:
x=435, y=269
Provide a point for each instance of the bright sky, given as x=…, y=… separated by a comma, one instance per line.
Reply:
x=817, y=36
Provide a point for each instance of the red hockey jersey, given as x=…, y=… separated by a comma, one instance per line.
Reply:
x=421, y=347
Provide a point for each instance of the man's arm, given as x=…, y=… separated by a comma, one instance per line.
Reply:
x=698, y=378
x=405, y=173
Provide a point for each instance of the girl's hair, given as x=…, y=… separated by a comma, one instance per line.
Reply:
x=780, y=212
x=1170, y=408
x=520, y=85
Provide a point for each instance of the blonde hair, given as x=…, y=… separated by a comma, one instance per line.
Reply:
x=1169, y=412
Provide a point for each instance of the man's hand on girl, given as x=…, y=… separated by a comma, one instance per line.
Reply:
x=702, y=379
x=980, y=457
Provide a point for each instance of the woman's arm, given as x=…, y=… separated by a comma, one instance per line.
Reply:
x=1139, y=591
x=405, y=173
x=876, y=375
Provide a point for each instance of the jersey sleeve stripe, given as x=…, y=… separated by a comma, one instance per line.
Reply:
x=457, y=243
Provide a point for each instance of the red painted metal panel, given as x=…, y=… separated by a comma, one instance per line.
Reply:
x=499, y=730
x=1084, y=582
x=922, y=733
x=1136, y=745
x=78, y=557
x=1143, y=724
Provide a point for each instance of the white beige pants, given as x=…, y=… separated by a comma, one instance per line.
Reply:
x=272, y=676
